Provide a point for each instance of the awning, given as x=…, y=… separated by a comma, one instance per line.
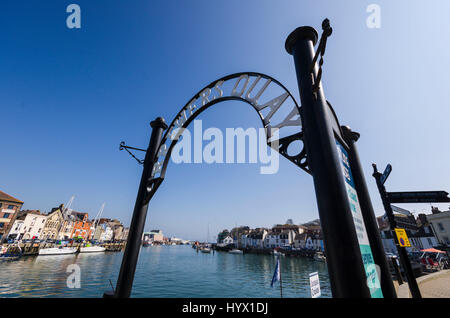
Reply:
x=433, y=250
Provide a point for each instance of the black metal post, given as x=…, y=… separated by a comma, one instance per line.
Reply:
x=370, y=222
x=134, y=240
x=398, y=273
x=344, y=260
x=404, y=259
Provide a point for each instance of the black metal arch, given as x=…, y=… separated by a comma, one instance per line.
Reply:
x=283, y=143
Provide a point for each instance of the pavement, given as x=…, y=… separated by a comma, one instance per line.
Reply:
x=434, y=285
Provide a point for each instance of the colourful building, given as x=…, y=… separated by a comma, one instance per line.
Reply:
x=9, y=208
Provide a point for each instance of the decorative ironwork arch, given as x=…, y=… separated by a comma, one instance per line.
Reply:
x=244, y=89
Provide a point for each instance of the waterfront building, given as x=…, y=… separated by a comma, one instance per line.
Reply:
x=125, y=232
x=33, y=225
x=66, y=230
x=255, y=239
x=237, y=232
x=153, y=236
x=440, y=222
x=9, y=208
x=16, y=230
x=222, y=235
x=82, y=226
x=276, y=239
x=420, y=232
x=106, y=232
x=53, y=224
x=298, y=229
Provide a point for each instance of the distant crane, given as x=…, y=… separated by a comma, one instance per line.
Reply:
x=67, y=208
x=97, y=218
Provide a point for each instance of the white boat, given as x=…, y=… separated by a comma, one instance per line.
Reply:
x=92, y=249
x=205, y=250
x=276, y=253
x=57, y=250
x=320, y=257
x=235, y=251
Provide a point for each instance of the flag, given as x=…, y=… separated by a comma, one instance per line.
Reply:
x=276, y=275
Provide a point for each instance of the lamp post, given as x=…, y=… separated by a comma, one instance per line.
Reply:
x=370, y=222
x=134, y=240
x=344, y=259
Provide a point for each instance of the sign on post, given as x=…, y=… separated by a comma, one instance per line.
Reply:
x=370, y=268
x=314, y=284
x=400, y=210
x=418, y=197
x=386, y=173
x=402, y=238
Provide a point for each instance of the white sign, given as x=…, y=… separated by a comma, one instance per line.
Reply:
x=400, y=210
x=314, y=284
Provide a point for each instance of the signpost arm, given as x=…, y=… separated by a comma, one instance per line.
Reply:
x=368, y=213
x=344, y=260
x=404, y=259
x=134, y=240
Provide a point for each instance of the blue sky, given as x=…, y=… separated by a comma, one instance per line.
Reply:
x=69, y=96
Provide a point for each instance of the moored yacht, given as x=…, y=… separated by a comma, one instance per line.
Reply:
x=92, y=249
x=57, y=250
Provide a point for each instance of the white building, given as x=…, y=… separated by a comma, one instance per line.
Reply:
x=16, y=229
x=107, y=233
x=279, y=239
x=440, y=222
x=33, y=225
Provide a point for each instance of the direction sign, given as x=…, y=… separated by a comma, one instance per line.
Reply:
x=403, y=240
x=400, y=210
x=386, y=173
x=418, y=197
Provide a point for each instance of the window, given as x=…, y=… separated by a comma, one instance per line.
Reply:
x=441, y=227
x=430, y=241
x=6, y=215
x=1, y=205
x=11, y=207
x=1, y=225
x=43, y=220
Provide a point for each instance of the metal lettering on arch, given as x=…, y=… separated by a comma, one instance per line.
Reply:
x=272, y=101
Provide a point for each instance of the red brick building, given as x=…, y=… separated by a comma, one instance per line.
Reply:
x=9, y=208
x=82, y=226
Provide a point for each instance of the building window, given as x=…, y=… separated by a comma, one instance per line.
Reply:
x=6, y=215
x=1, y=225
x=10, y=207
x=1, y=204
x=441, y=227
x=430, y=241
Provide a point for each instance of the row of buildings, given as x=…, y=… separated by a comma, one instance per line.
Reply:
x=308, y=235
x=424, y=231
x=58, y=224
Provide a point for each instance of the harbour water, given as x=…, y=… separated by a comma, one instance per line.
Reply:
x=162, y=271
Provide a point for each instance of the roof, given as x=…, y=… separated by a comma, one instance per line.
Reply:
x=6, y=197
x=78, y=215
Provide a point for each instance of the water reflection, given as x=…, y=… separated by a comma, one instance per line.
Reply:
x=162, y=271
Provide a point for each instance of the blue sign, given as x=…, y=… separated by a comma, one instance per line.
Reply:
x=370, y=268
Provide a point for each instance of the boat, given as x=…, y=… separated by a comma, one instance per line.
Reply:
x=205, y=250
x=277, y=253
x=57, y=250
x=235, y=251
x=7, y=255
x=319, y=257
x=92, y=249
